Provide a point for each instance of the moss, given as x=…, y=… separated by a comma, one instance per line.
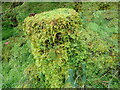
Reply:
x=59, y=44
x=51, y=34
x=63, y=48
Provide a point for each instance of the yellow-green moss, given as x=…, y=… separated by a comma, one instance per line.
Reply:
x=52, y=34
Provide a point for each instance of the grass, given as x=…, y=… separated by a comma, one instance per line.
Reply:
x=16, y=57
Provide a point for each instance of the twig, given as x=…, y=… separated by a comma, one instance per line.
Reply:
x=111, y=80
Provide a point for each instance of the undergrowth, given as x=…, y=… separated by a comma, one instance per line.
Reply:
x=98, y=34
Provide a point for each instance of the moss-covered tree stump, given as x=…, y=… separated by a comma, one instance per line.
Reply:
x=54, y=42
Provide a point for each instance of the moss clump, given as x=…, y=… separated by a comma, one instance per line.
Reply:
x=53, y=35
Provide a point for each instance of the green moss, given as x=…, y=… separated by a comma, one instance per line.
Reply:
x=61, y=51
x=52, y=34
x=59, y=44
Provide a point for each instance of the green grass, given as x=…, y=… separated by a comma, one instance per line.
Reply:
x=16, y=57
x=9, y=32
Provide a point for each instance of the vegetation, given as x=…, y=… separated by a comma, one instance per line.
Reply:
x=75, y=46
